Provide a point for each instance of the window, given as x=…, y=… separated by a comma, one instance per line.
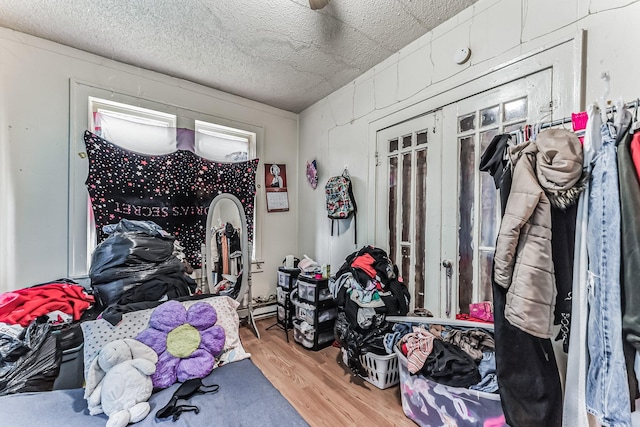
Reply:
x=222, y=143
x=153, y=132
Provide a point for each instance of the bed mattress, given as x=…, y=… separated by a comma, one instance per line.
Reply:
x=245, y=398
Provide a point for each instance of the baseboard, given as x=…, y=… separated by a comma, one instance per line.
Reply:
x=265, y=311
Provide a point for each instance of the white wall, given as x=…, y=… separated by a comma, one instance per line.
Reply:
x=35, y=155
x=337, y=129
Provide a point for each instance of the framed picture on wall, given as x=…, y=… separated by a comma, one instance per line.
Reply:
x=275, y=177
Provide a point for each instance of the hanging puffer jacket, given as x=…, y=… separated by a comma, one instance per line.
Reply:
x=546, y=171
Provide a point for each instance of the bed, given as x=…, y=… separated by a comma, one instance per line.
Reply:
x=245, y=396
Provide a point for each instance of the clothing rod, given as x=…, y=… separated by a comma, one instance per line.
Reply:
x=632, y=104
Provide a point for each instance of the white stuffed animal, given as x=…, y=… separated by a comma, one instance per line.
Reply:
x=118, y=382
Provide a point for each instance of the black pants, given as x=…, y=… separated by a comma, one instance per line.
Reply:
x=527, y=372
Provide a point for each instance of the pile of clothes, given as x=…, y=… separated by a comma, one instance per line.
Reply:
x=453, y=357
x=36, y=325
x=366, y=288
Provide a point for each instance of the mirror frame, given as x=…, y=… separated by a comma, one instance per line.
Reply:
x=244, y=242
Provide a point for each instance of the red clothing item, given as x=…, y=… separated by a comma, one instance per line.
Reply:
x=24, y=305
x=635, y=152
x=365, y=263
x=463, y=316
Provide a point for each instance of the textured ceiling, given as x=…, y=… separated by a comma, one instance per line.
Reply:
x=279, y=52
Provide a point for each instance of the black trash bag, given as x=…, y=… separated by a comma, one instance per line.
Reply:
x=346, y=336
x=110, y=293
x=356, y=341
x=135, y=252
x=148, y=227
x=11, y=348
x=38, y=368
x=131, y=249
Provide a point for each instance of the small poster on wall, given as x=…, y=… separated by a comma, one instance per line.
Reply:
x=275, y=177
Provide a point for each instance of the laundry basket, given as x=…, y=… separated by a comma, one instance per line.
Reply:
x=382, y=369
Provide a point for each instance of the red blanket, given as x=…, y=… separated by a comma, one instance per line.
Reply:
x=24, y=305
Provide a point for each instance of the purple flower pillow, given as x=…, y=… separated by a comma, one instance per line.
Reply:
x=187, y=341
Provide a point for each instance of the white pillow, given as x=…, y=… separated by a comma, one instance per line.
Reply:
x=99, y=332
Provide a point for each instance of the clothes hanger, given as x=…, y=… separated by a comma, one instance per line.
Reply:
x=619, y=114
x=604, y=102
x=635, y=124
x=536, y=130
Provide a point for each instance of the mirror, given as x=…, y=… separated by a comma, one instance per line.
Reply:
x=228, y=259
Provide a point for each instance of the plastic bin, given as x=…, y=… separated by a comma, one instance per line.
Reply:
x=307, y=292
x=281, y=296
x=309, y=337
x=287, y=278
x=306, y=312
x=432, y=404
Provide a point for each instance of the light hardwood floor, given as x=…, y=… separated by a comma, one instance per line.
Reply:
x=318, y=384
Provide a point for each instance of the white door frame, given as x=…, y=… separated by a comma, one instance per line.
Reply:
x=430, y=122
x=565, y=56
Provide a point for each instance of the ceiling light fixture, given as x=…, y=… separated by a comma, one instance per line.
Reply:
x=318, y=4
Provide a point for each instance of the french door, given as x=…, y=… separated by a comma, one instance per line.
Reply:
x=408, y=200
x=437, y=214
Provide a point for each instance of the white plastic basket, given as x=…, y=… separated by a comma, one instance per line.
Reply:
x=383, y=369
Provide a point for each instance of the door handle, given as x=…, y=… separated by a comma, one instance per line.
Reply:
x=449, y=271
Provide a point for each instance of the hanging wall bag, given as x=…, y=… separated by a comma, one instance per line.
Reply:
x=340, y=201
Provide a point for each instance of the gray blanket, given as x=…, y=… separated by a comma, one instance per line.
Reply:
x=245, y=398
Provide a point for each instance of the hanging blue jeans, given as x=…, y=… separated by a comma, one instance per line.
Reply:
x=607, y=394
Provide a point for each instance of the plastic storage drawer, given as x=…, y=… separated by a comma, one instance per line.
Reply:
x=287, y=278
x=311, y=338
x=307, y=313
x=307, y=292
x=281, y=296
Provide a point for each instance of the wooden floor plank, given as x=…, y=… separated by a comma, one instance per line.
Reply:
x=318, y=384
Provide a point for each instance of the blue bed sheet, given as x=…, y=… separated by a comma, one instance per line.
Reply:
x=246, y=398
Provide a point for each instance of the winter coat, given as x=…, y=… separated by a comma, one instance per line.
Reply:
x=546, y=171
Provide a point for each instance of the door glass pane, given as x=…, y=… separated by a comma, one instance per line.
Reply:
x=465, y=232
x=406, y=141
x=488, y=197
x=486, y=265
x=489, y=116
x=516, y=109
x=393, y=205
x=421, y=138
x=466, y=123
x=486, y=137
x=406, y=263
x=407, y=173
x=514, y=126
x=393, y=145
x=421, y=219
x=489, y=204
